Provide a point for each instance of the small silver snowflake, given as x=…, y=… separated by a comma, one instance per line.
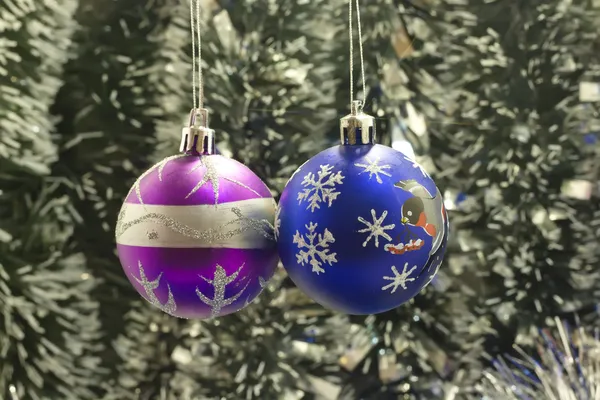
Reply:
x=399, y=279
x=317, y=248
x=373, y=168
x=376, y=228
x=416, y=165
x=320, y=188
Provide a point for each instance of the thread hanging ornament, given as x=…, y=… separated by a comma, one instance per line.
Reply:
x=195, y=234
x=361, y=227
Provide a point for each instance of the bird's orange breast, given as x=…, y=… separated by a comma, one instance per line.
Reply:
x=429, y=228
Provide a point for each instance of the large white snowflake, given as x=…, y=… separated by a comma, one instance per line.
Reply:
x=376, y=228
x=399, y=279
x=416, y=165
x=373, y=168
x=320, y=188
x=314, y=249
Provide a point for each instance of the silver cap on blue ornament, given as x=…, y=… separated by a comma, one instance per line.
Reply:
x=357, y=128
x=197, y=138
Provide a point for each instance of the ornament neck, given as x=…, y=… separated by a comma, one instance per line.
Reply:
x=198, y=138
x=357, y=128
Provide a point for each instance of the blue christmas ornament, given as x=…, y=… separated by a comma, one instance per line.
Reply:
x=361, y=227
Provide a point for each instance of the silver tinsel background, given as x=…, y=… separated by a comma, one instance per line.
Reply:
x=497, y=99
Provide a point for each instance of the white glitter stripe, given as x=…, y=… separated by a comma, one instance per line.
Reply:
x=246, y=224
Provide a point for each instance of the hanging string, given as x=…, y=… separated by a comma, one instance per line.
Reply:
x=192, y=26
x=360, y=41
x=197, y=77
x=200, y=77
x=362, y=59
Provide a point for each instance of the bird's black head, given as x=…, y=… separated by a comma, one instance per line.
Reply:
x=412, y=209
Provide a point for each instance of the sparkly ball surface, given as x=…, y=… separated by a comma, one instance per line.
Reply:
x=195, y=236
x=361, y=229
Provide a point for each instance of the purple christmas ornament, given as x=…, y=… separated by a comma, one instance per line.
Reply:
x=195, y=234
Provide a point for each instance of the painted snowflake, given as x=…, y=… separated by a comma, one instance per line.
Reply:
x=314, y=248
x=373, y=168
x=416, y=165
x=399, y=278
x=376, y=228
x=320, y=188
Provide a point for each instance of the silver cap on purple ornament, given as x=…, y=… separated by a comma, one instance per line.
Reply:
x=358, y=127
x=198, y=138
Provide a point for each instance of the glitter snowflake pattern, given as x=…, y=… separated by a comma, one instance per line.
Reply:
x=150, y=286
x=217, y=233
x=376, y=228
x=277, y=222
x=160, y=166
x=260, y=226
x=320, y=188
x=373, y=168
x=219, y=283
x=399, y=279
x=416, y=165
x=316, y=247
x=211, y=176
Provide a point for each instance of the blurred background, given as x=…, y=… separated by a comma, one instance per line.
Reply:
x=498, y=99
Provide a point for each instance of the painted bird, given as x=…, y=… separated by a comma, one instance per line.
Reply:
x=424, y=210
